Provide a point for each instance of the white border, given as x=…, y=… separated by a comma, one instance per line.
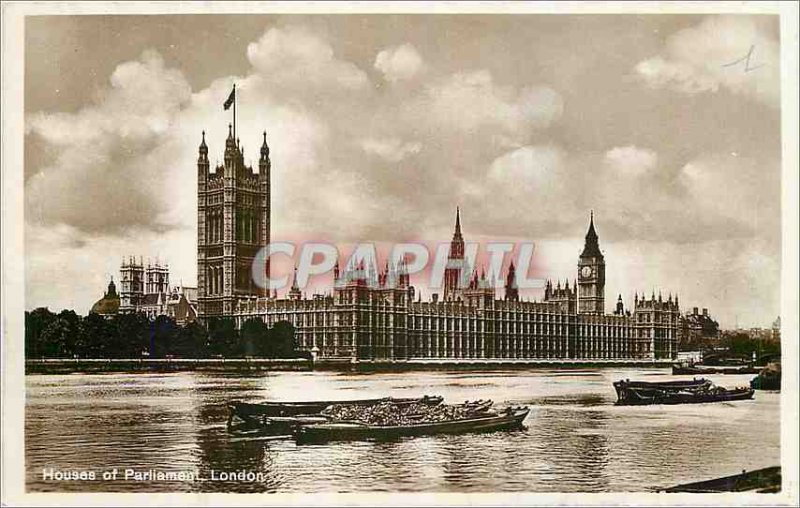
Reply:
x=12, y=293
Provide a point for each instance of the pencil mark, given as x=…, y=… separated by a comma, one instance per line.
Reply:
x=746, y=60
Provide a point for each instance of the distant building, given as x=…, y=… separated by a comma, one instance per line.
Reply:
x=776, y=329
x=146, y=289
x=697, y=329
x=109, y=304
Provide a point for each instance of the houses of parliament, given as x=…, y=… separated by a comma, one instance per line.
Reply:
x=379, y=316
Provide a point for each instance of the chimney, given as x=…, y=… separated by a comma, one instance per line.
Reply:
x=705, y=312
x=435, y=297
x=694, y=310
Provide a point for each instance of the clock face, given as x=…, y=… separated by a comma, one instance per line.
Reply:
x=586, y=271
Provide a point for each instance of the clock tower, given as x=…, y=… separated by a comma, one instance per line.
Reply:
x=591, y=275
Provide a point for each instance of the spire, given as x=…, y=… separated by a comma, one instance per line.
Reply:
x=294, y=292
x=512, y=292
x=230, y=144
x=457, y=243
x=591, y=248
x=112, y=288
x=203, y=150
x=264, y=148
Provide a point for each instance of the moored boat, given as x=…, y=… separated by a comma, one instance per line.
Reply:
x=703, y=369
x=353, y=430
x=630, y=394
x=678, y=385
x=768, y=379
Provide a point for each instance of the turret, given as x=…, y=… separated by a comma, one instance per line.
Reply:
x=231, y=150
x=264, y=149
x=294, y=292
x=453, y=273
x=203, y=151
x=512, y=292
x=112, y=289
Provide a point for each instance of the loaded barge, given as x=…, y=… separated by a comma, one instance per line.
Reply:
x=367, y=418
x=695, y=391
x=343, y=431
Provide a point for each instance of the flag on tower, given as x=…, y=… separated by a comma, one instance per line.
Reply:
x=230, y=99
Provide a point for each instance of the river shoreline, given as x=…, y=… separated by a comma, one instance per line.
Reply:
x=240, y=365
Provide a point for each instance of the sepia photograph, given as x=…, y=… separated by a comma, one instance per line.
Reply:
x=400, y=254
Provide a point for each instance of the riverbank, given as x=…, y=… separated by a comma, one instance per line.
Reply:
x=245, y=365
x=146, y=365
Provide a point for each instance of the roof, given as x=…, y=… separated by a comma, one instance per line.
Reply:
x=106, y=305
x=591, y=248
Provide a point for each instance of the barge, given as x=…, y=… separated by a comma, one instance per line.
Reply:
x=354, y=430
x=638, y=393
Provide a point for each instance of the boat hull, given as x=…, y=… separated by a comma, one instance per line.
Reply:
x=346, y=431
x=623, y=387
x=689, y=370
x=643, y=398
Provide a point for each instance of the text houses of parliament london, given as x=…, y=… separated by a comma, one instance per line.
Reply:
x=376, y=316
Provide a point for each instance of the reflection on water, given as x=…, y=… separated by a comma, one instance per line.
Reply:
x=575, y=439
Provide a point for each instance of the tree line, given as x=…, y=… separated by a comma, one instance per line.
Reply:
x=69, y=335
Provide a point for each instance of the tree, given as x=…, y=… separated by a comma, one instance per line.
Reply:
x=61, y=338
x=282, y=339
x=35, y=323
x=162, y=334
x=223, y=337
x=129, y=337
x=254, y=338
x=96, y=334
x=191, y=341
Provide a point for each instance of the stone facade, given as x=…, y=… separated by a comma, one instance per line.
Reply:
x=233, y=210
x=146, y=289
x=376, y=316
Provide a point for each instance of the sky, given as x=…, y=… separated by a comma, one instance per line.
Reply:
x=666, y=126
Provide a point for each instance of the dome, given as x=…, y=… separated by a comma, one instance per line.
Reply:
x=109, y=304
x=106, y=306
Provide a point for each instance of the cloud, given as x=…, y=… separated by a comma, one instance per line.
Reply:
x=399, y=63
x=298, y=59
x=469, y=101
x=393, y=150
x=528, y=167
x=736, y=190
x=104, y=152
x=737, y=53
x=631, y=160
x=348, y=163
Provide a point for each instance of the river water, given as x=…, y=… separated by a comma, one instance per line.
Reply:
x=574, y=440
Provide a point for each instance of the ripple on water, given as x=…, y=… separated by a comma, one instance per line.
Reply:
x=574, y=440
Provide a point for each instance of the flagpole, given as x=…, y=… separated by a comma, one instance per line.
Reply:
x=234, y=112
